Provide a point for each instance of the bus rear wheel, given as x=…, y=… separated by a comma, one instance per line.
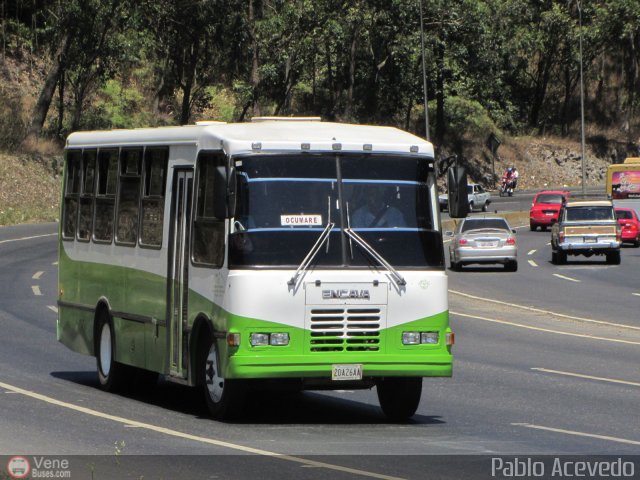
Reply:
x=399, y=396
x=111, y=374
x=224, y=397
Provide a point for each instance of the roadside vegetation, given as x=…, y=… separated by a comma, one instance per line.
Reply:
x=508, y=68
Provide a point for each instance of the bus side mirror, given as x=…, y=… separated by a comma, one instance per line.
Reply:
x=225, y=193
x=457, y=186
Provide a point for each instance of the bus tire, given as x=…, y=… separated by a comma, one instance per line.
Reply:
x=399, y=396
x=111, y=374
x=224, y=397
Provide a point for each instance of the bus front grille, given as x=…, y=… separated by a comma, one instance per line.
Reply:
x=344, y=329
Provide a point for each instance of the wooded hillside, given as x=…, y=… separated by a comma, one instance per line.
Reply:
x=502, y=66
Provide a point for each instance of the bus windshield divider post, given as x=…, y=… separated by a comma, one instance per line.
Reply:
x=400, y=281
x=312, y=253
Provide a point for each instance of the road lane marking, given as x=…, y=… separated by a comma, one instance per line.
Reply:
x=37, y=275
x=532, y=263
x=27, y=238
x=175, y=433
x=546, y=330
x=546, y=312
x=531, y=252
x=579, y=434
x=54, y=263
x=588, y=377
x=566, y=278
x=636, y=294
x=36, y=290
x=53, y=308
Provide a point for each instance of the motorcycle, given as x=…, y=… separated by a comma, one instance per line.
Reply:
x=507, y=187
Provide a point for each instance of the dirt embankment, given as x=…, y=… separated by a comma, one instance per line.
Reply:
x=545, y=162
x=29, y=189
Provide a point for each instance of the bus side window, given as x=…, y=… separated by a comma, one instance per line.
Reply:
x=153, y=194
x=207, y=247
x=85, y=217
x=105, y=195
x=129, y=196
x=71, y=194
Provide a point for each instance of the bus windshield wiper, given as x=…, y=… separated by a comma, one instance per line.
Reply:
x=312, y=253
x=400, y=281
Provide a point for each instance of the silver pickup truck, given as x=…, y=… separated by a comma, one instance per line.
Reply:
x=586, y=228
x=477, y=195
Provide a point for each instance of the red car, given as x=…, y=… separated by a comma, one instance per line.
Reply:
x=545, y=208
x=628, y=220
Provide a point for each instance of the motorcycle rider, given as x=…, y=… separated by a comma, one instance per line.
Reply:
x=506, y=179
x=514, y=178
x=509, y=181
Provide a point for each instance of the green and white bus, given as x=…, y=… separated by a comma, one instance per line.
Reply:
x=224, y=255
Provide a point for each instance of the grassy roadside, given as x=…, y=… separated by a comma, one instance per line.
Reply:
x=29, y=190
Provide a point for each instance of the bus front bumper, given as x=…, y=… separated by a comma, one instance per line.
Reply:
x=311, y=366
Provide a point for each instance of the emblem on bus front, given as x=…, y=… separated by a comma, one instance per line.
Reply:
x=345, y=294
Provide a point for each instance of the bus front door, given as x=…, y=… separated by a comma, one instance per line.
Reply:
x=178, y=277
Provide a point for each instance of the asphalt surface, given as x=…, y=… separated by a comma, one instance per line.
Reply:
x=522, y=199
x=525, y=382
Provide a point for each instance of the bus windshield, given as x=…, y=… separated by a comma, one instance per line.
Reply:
x=285, y=202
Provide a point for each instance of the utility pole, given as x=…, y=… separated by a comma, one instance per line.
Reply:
x=424, y=79
x=584, y=173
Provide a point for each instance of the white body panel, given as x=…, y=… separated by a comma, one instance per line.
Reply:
x=265, y=295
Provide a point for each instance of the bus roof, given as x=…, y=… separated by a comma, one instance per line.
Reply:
x=264, y=136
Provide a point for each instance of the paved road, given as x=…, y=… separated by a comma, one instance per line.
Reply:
x=525, y=382
x=521, y=199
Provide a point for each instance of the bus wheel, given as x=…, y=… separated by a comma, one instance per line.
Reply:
x=110, y=373
x=224, y=398
x=399, y=396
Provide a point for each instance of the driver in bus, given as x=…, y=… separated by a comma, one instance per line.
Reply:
x=378, y=211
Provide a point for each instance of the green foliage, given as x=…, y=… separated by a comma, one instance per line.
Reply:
x=468, y=118
x=511, y=65
x=220, y=104
x=118, y=106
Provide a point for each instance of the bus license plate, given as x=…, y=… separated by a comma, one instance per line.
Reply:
x=346, y=372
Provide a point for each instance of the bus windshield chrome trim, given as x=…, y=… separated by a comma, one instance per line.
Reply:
x=399, y=279
x=311, y=255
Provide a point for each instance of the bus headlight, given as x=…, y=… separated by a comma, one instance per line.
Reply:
x=279, y=339
x=417, y=338
x=274, y=339
x=431, y=338
x=411, y=338
x=259, y=339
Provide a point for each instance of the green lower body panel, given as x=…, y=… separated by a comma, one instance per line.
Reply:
x=303, y=366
